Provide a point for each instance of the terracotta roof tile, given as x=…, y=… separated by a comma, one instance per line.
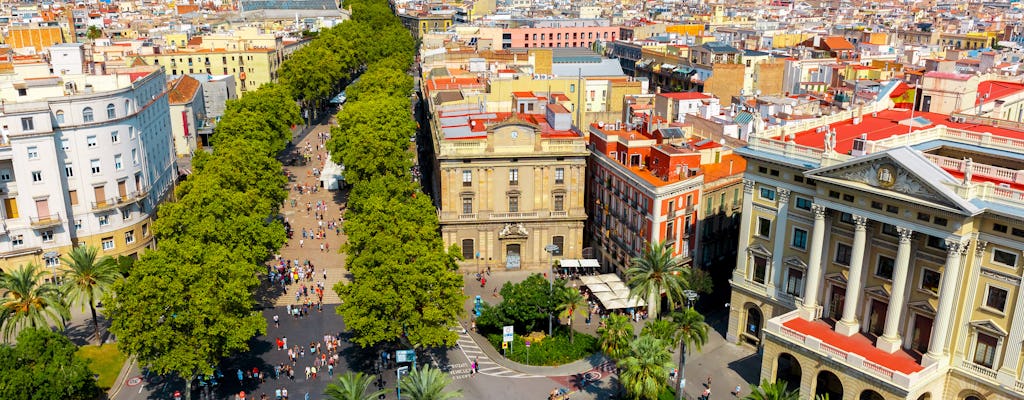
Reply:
x=183, y=90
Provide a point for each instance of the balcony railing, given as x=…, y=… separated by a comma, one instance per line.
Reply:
x=499, y=216
x=45, y=221
x=119, y=201
x=979, y=369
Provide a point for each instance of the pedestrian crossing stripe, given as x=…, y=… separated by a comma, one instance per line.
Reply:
x=497, y=370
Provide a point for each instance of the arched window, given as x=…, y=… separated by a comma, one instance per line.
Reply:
x=111, y=113
x=60, y=117
x=87, y=114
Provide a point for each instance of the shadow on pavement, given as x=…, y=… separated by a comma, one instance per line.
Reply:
x=749, y=367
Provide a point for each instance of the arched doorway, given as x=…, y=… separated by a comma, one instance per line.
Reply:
x=973, y=398
x=754, y=321
x=925, y=396
x=828, y=384
x=870, y=395
x=788, y=370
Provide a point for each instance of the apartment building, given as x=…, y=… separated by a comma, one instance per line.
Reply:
x=880, y=256
x=84, y=160
x=508, y=185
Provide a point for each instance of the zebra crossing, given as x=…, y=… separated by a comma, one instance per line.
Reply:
x=487, y=367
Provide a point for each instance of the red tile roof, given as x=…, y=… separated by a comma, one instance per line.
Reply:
x=182, y=90
x=998, y=90
x=857, y=344
x=685, y=96
x=838, y=43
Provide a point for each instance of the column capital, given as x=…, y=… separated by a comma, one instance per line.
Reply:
x=979, y=247
x=958, y=247
x=860, y=221
x=783, y=195
x=905, y=234
x=818, y=210
x=748, y=186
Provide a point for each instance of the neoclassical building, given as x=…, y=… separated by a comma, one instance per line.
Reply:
x=880, y=257
x=84, y=159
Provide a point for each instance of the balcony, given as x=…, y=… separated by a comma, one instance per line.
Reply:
x=483, y=216
x=120, y=201
x=856, y=352
x=45, y=221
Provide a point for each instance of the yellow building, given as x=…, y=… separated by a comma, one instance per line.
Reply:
x=884, y=266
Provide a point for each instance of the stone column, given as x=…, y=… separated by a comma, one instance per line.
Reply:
x=1008, y=371
x=947, y=298
x=849, y=324
x=740, y=273
x=809, y=309
x=774, y=287
x=890, y=340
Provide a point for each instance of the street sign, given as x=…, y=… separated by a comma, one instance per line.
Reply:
x=504, y=345
x=405, y=356
x=527, y=343
x=507, y=333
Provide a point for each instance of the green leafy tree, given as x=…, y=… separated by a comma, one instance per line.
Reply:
x=186, y=306
x=614, y=337
x=243, y=166
x=569, y=302
x=43, y=366
x=692, y=332
x=273, y=104
x=644, y=373
x=87, y=279
x=93, y=33
x=125, y=264
x=352, y=386
x=655, y=272
x=428, y=383
x=372, y=138
x=28, y=302
x=772, y=391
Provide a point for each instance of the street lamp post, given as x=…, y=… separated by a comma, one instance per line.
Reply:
x=691, y=297
x=551, y=249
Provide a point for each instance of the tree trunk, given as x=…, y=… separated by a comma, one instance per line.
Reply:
x=571, y=333
x=188, y=387
x=95, y=323
x=682, y=374
x=653, y=304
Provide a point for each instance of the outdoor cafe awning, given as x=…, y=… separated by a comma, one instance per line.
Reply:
x=599, y=288
x=590, y=280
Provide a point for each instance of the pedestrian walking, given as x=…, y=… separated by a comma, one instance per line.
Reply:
x=301, y=243
x=308, y=373
x=330, y=370
x=284, y=392
x=277, y=322
x=277, y=393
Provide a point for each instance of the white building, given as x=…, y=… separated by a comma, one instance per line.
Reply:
x=84, y=159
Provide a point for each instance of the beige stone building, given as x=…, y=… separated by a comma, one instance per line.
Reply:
x=880, y=257
x=508, y=185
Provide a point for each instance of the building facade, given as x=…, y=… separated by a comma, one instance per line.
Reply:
x=880, y=257
x=84, y=160
x=509, y=185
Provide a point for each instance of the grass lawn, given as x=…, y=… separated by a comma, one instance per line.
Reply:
x=105, y=360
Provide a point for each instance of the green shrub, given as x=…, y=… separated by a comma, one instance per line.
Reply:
x=554, y=350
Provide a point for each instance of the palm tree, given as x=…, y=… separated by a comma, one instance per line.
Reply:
x=692, y=332
x=655, y=272
x=29, y=303
x=87, y=279
x=352, y=386
x=615, y=336
x=661, y=329
x=772, y=391
x=427, y=384
x=645, y=372
x=571, y=300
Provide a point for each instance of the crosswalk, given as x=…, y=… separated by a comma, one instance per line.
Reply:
x=488, y=367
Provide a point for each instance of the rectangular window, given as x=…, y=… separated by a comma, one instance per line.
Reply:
x=848, y=197
x=985, y=350
x=794, y=281
x=467, y=249
x=90, y=141
x=1017, y=232
x=69, y=171
x=559, y=202
x=46, y=236
x=937, y=242
x=833, y=194
x=129, y=237
x=78, y=224
x=37, y=176
x=892, y=209
x=118, y=162
x=467, y=178
x=33, y=152
x=11, y=207
x=513, y=204
x=94, y=166
x=1004, y=257
x=135, y=157
x=126, y=213
x=73, y=196
x=104, y=220
x=930, y=280
x=65, y=144
x=27, y=125
x=764, y=227
x=467, y=205
x=760, y=269
x=803, y=204
x=876, y=205
x=800, y=238
x=17, y=240
x=145, y=230
x=767, y=194
x=5, y=175
x=559, y=242
x=843, y=253
x=940, y=221
x=559, y=176
x=846, y=218
x=513, y=176
x=923, y=217
x=890, y=230
x=115, y=137
x=108, y=243
x=885, y=267
x=996, y=298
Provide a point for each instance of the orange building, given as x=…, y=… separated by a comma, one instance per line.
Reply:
x=37, y=38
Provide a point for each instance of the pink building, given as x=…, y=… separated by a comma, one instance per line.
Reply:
x=577, y=36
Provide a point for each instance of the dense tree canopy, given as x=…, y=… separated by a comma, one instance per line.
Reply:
x=43, y=366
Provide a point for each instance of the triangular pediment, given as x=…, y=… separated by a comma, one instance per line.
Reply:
x=513, y=120
x=923, y=306
x=989, y=326
x=902, y=173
